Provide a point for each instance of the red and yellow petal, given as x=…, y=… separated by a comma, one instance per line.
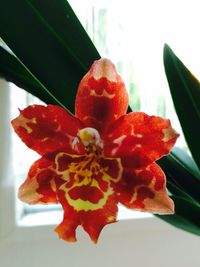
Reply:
x=91, y=219
x=101, y=96
x=40, y=184
x=94, y=221
x=145, y=190
x=48, y=128
x=139, y=139
x=87, y=196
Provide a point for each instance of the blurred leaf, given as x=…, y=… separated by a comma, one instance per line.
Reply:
x=66, y=27
x=14, y=71
x=182, y=171
x=50, y=42
x=185, y=91
x=187, y=216
x=183, y=182
x=187, y=161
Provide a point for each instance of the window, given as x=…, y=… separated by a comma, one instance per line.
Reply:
x=132, y=36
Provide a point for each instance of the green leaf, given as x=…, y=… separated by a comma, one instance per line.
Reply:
x=185, y=91
x=62, y=21
x=182, y=171
x=50, y=42
x=187, y=216
x=183, y=181
x=14, y=71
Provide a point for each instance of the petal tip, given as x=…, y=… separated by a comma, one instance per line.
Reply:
x=27, y=193
x=169, y=134
x=167, y=208
x=104, y=68
x=62, y=234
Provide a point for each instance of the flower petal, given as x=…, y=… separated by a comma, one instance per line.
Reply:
x=86, y=194
x=40, y=184
x=92, y=221
x=145, y=190
x=47, y=128
x=101, y=96
x=139, y=139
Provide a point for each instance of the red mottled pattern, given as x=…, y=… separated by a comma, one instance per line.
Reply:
x=139, y=139
x=39, y=186
x=145, y=190
x=73, y=164
x=64, y=159
x=83, y=185
x=81, y=172
x=111, y=167
x=47, y=128
x=92, y=221
x=101, y=98
x=86, y=192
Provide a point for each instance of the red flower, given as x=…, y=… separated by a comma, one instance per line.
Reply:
x=99, y=158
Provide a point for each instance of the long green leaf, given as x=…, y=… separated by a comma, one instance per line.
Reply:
x=14, y=71
x=50, y=42
x=182, y=171
x=187, y=216
x=63, y=23
x=183, y=181
x=185, y=91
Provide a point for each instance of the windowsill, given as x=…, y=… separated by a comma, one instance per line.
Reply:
x=55, y=217
x=40, y=226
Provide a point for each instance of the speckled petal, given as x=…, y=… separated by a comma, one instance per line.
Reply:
x=48, y=128
x=139, y=139
x=92, y=221
x=40, y=184
x=145, y=190
x=101, y=97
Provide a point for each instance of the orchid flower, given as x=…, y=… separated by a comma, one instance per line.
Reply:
x=98, y=158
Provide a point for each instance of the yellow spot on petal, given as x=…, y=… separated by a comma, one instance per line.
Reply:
x=23, y=122
x=28, y=192
x=110, y=219
x=103, y=94
x=169, y=133
x=118, y=141
x=53, y=185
